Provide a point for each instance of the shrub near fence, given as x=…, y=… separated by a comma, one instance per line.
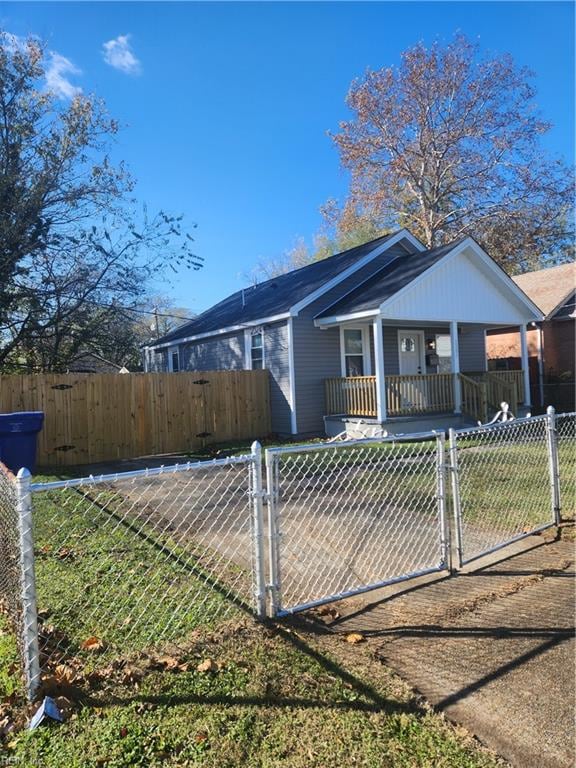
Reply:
x=104, y=417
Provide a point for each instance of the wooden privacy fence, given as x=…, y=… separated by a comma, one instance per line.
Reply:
x=103, y=417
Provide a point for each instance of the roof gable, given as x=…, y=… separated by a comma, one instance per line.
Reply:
x=457, y=281
x=465, y=285
x=389, y=280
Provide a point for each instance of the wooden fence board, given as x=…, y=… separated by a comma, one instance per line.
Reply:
x=104, y=417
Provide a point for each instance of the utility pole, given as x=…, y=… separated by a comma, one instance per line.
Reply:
x=156, y=322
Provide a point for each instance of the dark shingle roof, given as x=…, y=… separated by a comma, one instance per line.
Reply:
x=274, y=296
x=388, y=281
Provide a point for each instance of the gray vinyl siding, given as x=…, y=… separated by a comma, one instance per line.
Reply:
x=223, y=353
x=316, y=357
x=317, y=351
x=158, y=360
x=471, y=343
x=472, y=350
x=277, y=361
x=391, y=358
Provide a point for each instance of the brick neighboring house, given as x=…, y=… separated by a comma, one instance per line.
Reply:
x=551, y=343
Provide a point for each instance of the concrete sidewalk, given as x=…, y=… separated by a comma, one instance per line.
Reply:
x=492, y=648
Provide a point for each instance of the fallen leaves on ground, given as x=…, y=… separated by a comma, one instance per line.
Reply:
x=208, y=665
x=65, y=674
x=354, y=638
x=92, y=644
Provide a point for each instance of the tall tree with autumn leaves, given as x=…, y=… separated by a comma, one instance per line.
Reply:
x=449, y=144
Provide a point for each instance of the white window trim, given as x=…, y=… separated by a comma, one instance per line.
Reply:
x=422, y=336
x=248, y=333
x=365, y=348
x=436, y=337
x=171, y=351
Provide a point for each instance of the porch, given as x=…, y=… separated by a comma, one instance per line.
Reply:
x=419, y=372
x=477, y=394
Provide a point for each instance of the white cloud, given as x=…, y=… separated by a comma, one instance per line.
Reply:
x=118, y=54
x=57, y=70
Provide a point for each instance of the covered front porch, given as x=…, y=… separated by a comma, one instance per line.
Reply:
x=435, y=369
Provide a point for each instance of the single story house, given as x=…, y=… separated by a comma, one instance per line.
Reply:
x=387, y=333
x=551, y=342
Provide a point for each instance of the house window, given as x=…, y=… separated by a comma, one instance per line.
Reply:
x=257, y=350
x=173, y=360
x=407, y=344
x=444, y=352
x=353, y=352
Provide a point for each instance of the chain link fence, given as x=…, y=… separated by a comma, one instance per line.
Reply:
x=10, y=564
x=350, y=516
x=501, y=485
x=136, y=561
x=566, y=433
x=98, y=568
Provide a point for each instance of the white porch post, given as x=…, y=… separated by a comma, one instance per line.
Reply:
x=455, y=351
x=379, y=369
x=525, y=365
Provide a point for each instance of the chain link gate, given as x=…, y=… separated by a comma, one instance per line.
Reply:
x=348, y=517
x=505, y=483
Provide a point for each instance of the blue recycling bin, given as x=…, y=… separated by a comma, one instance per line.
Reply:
x=18, y=434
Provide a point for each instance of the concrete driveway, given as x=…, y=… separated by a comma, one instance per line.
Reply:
x=492, y=648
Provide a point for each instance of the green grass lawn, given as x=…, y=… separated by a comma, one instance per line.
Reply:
x=104, y=572
x=273, y=698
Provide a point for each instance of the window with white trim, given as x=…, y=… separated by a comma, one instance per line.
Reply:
x=257, y=350
x=353, y=352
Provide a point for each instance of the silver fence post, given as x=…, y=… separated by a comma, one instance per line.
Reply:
x=445, y=550
x=456, y=543
x=29, y=630
x=258, y=531
x=552, y=444
x=273, y=533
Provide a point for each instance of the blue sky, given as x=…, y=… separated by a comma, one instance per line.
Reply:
x=226, y=105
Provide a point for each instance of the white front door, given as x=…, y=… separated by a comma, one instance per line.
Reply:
x=412, y=363
x=411, y=352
